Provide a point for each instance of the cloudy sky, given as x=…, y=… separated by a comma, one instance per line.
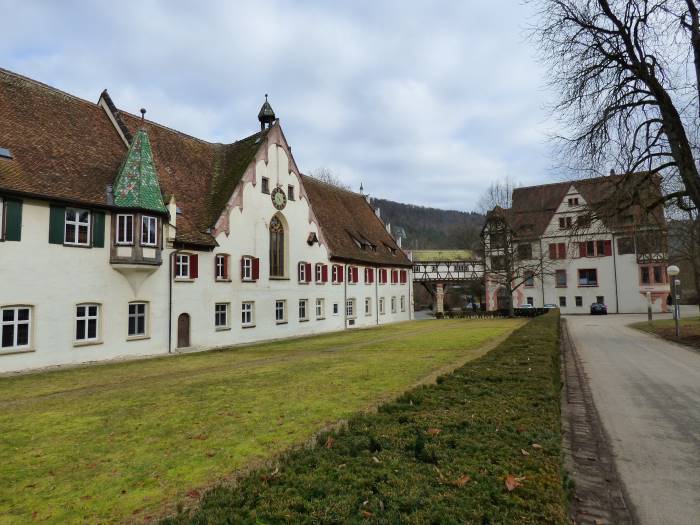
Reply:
x=424, y=102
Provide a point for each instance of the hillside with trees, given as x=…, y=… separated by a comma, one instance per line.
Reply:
x=432, y=228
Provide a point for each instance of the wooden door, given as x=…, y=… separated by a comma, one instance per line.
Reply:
x=183, y=331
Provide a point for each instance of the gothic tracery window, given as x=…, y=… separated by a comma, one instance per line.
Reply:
x=276, y=248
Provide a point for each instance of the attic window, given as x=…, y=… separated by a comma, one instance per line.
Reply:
x=5, y=153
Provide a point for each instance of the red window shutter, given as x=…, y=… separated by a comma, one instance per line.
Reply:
x=225, y=266
x=562, y=250
x=308, y=272
x=356, y=274
x=582, y=249
x=552, y=251
x=371, y=275
x=324, y=273
x=256, y=269
x=404, y=276
x=608, y=248
x=383, y=276
x=194, y=266
x=340, y=273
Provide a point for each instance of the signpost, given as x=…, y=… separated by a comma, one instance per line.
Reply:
x=673, y=270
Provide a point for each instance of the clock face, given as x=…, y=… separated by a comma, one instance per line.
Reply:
x=279, y=199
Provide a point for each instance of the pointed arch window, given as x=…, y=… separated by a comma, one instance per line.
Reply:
x=276, y=248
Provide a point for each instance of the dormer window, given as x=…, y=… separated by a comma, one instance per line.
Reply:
x=125, y=229
x=149, y=230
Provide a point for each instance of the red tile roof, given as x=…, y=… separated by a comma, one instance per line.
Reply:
x=67, y=149
x=347, y=219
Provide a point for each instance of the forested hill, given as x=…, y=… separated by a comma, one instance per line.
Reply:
x=431, y=228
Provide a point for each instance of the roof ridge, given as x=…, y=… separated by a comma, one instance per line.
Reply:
x=48, y=87
x=330, y=185
x=574, y=181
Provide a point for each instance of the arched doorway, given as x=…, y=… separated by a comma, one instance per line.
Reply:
x=183, y=331
x=502, y=299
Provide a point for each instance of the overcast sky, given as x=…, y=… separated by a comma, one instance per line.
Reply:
x=424, y=102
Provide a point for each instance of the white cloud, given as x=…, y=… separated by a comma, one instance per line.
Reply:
x=425, y=102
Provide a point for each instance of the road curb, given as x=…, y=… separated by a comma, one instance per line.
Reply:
x=598, y=496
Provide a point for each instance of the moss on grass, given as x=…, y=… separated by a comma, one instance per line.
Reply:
x=117, y=442
x=438, y=454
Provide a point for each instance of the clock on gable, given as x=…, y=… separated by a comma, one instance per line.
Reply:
x=279, y=199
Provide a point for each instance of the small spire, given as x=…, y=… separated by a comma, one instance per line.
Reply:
x=266, y=116
x=143, y=114
x=362, y=190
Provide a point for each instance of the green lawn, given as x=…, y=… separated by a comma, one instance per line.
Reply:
x=482, y=446
x=122, y=442
x=666, y=328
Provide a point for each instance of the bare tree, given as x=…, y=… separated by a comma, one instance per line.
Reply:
x=628, y=74
x=327, y=176
x=499, y=193
x=509, y=261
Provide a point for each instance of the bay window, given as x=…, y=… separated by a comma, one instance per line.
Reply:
x=125, y=229
x=149, y=230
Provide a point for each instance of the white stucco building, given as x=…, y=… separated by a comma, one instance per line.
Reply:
x=577, y=243
x=120, y=237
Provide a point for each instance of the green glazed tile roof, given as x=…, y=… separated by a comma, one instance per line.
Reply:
x=137, y=184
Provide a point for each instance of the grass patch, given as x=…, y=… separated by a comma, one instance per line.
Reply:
x=666, y=328
x=117, y=442
x=439, y=454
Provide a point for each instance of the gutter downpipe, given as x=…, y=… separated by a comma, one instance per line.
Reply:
x=376, y=294
x=170, y=299
x=345, y=297
x=617, y=301
x=542, y=271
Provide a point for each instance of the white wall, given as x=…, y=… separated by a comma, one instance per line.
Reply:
x=53, y=279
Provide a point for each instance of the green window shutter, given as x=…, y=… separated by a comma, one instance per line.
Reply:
x=57, y=220
x=13, y=220
x=98, y=229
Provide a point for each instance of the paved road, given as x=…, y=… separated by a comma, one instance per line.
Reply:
x=647, y=392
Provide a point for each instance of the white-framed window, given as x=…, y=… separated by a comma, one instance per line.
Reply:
x=303, y=310
x=290, y=192
x=149, y=230
x=382, y=310
x=247, y=313
x=125, y=229
x=403, y=303
x=280, y=311
x=350, y=307
x=393, y=305
x=335, y=273
x=87, y=322
x=265, y=186
x=368, y=306
x=16, y=324
x=247, y=268
x=138, y=320
x=221, y=315
x=182, y=266
x=77, y=227
x=320, y=308
x=221, y=265
x=348, y=271
x=319, y=273
x=336, y=308
x=302, y=272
